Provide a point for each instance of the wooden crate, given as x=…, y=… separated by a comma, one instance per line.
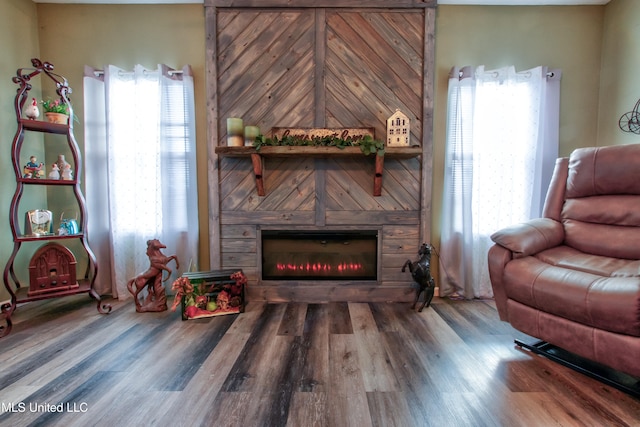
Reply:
x=219, y=288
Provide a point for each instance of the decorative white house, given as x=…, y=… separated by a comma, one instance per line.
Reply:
x=398, y=130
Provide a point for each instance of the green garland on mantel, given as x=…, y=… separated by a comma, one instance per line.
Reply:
x=367, y=144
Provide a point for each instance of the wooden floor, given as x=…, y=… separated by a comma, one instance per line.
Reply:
x=336, y=364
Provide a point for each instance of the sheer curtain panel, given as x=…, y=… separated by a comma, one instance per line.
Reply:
x=501, y=145
x=140, y=168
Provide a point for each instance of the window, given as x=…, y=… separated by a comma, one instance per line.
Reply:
x=141, y=177
x=502, y=141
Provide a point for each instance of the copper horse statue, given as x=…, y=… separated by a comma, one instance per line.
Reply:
x=421, y=273
x=156, y=299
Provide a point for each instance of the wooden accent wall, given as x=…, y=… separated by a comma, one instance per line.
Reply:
x=326, y=64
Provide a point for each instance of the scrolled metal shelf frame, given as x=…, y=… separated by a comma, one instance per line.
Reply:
x=630, y=122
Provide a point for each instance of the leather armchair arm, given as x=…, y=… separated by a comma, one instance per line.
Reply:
x=530, y=237
x=498, y=258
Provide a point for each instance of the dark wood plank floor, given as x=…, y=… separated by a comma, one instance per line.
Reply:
x=337, y=364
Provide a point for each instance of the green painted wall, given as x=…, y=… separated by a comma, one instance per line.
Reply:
x=564, y=37
x=72, y=36
x=593, y=45
x=18, y=44
x=620, y=82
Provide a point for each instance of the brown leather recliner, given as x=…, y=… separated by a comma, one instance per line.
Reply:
x=572, y=277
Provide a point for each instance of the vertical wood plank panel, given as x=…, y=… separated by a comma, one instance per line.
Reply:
x=211, y=63
x=320, y=100
x=427, y=120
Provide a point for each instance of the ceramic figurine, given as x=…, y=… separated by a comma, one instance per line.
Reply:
x=61, y=163
x=67, y=173
x=55, y=171
x=33, y=169
x=421, y=273
x=32, y=111
x=156, y=299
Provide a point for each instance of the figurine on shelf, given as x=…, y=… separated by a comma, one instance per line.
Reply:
x=68, y=226
x=62, y=162
x=156, y=299
x=32, y=111
x=38, y=222
x=33, y=169
x=67, y=173
x=55, y=171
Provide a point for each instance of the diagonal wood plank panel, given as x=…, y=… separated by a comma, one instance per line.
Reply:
x=265, y=66
x=374, y=66
x=370, y=72
x=319, y=67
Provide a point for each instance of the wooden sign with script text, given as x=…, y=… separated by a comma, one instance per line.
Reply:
x=354, y=134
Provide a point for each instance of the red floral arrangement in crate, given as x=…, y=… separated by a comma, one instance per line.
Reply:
x=206, y=300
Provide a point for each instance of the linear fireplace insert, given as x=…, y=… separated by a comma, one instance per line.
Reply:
x=319, y=255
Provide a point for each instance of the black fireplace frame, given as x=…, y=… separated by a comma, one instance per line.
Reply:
x=329, y=232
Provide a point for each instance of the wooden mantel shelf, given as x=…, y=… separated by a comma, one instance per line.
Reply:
x=309, y=151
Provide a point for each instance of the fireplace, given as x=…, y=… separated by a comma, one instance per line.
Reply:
x=319, y=255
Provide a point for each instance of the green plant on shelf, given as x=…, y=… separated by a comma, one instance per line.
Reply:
x=367, y=144
x=55, y=106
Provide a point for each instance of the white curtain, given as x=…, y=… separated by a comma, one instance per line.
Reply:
x=501, y=145
x=140, y=169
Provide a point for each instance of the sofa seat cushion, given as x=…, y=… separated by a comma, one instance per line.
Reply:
x=567, y=257
x=603, y=301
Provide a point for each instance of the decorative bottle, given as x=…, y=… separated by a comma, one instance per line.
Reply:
x=62, y=164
